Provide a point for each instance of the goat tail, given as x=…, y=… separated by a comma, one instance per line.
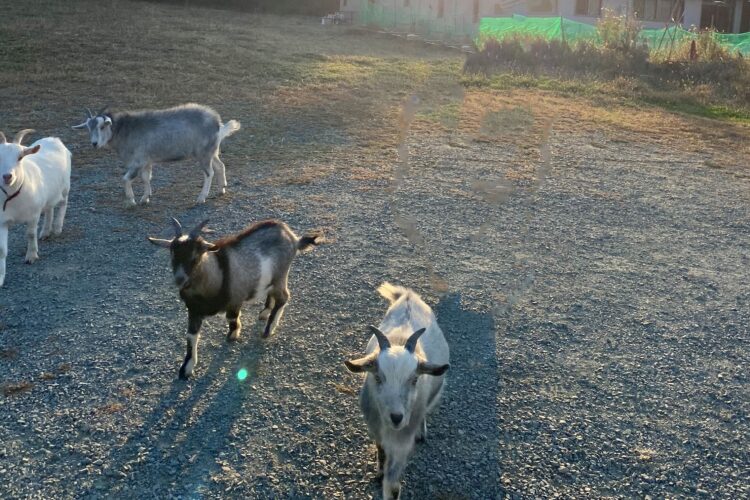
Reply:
x=228, y=129
x=309, y=241
x=392, y=293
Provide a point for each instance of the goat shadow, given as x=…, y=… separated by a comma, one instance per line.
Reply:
x=169, y=447
x=460, y=455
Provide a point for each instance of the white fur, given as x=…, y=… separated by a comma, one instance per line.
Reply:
x=264, y=281
x=396, y=368
x=44, y=180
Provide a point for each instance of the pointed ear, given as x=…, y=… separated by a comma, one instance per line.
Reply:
x=30, y=151
x=367, y=364
x=159, y=242
x=425, y=368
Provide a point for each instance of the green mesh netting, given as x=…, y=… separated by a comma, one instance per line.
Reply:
x=454, y=23
x=559, y=28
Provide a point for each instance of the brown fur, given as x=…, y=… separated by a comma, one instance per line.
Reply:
x=233, y=239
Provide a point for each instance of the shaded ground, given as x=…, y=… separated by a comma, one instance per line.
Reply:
x=595, y=303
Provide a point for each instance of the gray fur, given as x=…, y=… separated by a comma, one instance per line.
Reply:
x=143, y=138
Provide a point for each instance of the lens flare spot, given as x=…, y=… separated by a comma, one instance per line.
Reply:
x=242, y=374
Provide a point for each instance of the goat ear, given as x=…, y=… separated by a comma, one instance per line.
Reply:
x=107, y=122
x=30, y=151
x=207, y=246
x=367, y=364
x=425, y=368
x=159, y=242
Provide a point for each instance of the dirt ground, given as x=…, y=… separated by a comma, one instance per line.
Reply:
x=588, y=261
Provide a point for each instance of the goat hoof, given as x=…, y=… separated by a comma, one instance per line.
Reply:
x=201, y=200
x=145, y=201
x=32, y=259
x=233, y=336
x=129, y=203
x=264, y=314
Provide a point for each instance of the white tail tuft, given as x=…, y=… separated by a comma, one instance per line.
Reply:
x=228, y=129
x=392, y=292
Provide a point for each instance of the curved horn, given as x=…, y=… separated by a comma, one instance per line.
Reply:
x=3, y=140
x=411, y=344
x=177, y=227
x=197, y=229
x=20, y=135
x=383, y=341
x=89, y=112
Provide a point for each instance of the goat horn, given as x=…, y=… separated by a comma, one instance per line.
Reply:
x=177, y=227
x=197, y=229
x=411, y=344
x=3, y=140
x=19, y=136
x=89, y=112
x=383, y=341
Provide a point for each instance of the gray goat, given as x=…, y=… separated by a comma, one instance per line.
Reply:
x=405, y=362
x=142, y=138
x=219, y=277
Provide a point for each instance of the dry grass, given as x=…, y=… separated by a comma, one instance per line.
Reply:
x=8, y=353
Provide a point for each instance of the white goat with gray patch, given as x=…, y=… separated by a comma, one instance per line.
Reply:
x=33, y=180
x=219, y=277
x=405, y=365
x=142, y=138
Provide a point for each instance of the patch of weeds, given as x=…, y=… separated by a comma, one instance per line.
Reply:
x=110, y=408
x=14, y=388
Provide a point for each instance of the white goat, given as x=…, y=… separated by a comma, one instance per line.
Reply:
x=32, y=180
x=396, y=397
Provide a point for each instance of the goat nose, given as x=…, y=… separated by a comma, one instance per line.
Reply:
x=396, y=418
x=7, y=178
x=93, y=143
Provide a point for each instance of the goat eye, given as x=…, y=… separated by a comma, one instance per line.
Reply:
x=378, y=380
x=414, y=381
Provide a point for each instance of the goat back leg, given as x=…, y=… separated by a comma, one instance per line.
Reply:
x=146, y=172
x=263, y=316
x=421, y=436
x=32, y=245
x=191, y=356
x=281, y=297
x=49, y=215
x=208, y=175
x=221, y=172
x=235, y=325
x=59, y=219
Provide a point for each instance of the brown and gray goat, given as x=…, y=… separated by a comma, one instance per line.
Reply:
x=219, y=277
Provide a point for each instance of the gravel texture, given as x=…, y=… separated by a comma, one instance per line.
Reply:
x=598, y=328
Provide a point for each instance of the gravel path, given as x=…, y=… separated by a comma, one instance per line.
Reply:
x=598, y=330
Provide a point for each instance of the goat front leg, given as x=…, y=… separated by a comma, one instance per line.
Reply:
x=395, y=462
x=3, y=251
x=193, y=334
x=131, y=174
x=381, y=460
x=208, y=175
x=235, y=325
x=146, y=171
x=32, y=245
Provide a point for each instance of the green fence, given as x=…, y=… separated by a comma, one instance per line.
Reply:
x=558, y=28
x=454, y=24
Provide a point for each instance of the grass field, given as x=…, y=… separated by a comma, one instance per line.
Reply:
x=584, y=248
